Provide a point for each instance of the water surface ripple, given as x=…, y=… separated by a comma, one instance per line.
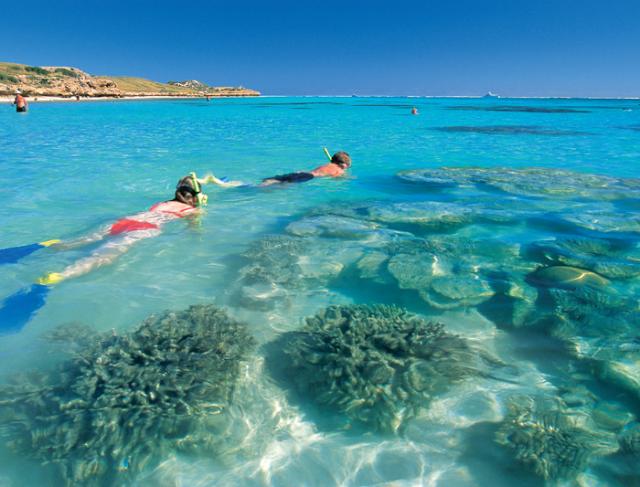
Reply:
x=461, y=310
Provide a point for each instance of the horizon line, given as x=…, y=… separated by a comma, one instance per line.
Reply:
x=497, y=97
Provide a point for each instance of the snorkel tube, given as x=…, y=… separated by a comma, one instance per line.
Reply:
x=326, y=151
x=201, y=197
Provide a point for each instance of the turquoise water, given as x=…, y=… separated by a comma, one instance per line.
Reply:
x=66, y=169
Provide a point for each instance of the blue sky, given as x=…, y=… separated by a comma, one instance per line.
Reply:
x=454, y=47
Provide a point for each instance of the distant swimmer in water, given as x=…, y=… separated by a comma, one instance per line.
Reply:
x=20, y=102
x=414, y=111
x=336, y=167
x=121, y=235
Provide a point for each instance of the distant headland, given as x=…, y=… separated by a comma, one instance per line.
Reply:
x=68, y=82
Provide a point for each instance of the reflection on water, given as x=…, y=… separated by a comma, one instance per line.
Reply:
x=401, y=398
x=439, y=326
x=517, y=109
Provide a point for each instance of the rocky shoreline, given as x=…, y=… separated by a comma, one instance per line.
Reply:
x=69, y=83
x=72, y=99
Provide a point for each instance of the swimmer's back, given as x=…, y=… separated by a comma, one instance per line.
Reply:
x=328, y=170
x=157, y=215
x=175, y=208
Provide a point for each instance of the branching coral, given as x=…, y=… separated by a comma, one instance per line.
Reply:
x=377, y=364
x=121, y=401
x=547, y=440
x=273, y=259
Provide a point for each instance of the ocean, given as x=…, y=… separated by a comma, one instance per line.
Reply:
x=513, y=223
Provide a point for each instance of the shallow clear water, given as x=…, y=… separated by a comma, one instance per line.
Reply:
x=66, y=169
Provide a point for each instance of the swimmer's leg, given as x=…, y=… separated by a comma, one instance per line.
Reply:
x=104, y=255
x=269, y=182
x=82, y=241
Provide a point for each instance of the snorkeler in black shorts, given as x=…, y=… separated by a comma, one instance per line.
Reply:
x=293, y=177
x=336, y=167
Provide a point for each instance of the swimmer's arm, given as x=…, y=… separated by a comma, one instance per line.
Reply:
x=210, y=178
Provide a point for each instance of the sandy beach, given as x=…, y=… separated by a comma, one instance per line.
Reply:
x=38, y=99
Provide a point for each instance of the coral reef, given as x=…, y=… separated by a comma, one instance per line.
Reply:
x=528, y=182
x=630, y=440
x=561, y=276
x=602, y=221
x=332, y=226
x=611, y=259
x=601, y=327
x=272, y=268
x=378, y=365
x=278, y=267
x=122, y=401
x=547, y=440
x=447, y=272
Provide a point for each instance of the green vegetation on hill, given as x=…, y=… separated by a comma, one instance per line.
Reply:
x=8, y=72
x=7, y=78
x=132, y=84
x=66, y=72
x=69, y=82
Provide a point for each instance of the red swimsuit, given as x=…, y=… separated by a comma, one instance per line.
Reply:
x=126, y=225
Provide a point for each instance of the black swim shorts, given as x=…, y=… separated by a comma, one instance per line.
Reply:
x=294, y=177
x=21, y=109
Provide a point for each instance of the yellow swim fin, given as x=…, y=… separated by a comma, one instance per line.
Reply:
x=50, y=279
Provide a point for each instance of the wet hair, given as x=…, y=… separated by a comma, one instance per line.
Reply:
x=341, y=159
x=184, y=188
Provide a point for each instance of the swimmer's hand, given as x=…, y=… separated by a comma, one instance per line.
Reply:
x=50, y=279
x=210, y=178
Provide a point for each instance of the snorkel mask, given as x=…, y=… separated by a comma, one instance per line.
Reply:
x=201, y=198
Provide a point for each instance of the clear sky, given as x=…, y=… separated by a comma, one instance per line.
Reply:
x=428, y=47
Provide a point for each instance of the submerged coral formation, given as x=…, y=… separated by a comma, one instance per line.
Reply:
x=123, y=401
x=630, y=441
x=601, y=327
x=447, y=272
x=567, y=277
x=547, y=440
x=272, y=269
x=379, y=365
x=536, y=182
x=613, y=259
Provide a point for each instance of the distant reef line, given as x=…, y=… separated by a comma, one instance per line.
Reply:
x=70, y=82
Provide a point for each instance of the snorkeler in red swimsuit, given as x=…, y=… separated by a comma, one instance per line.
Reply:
x=188, y=200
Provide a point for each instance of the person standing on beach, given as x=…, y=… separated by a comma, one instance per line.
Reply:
x=336, y=167
x=20, y=102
